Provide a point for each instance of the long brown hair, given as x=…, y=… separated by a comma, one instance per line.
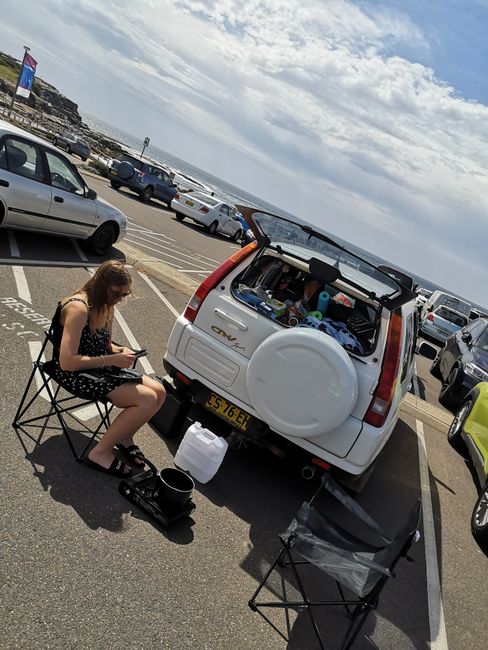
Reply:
x=110, y=273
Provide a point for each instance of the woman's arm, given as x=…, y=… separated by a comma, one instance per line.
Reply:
x=112, y=347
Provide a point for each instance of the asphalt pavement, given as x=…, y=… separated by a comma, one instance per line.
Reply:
x=83, y=567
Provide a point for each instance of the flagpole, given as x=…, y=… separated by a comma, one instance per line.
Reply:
x=18, y=78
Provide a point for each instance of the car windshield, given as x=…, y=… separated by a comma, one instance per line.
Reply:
x=303, y=240
x=482, y=342
x=452, y=316
x=456, y=303
x=133, y=161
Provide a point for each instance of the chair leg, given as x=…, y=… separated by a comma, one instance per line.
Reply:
x=60, y=417
x=359, y=617
x=252, y=601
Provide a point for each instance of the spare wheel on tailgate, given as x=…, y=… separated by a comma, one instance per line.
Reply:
x=302, y=383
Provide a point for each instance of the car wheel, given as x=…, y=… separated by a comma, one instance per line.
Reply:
x=479, y=519
x=212, y=229
x=115, y=185
x=102, y=239
x=168, y=205
x=447, y=395
x=179, y=216
x=237, y=235
x=147, y=194
x=454, y=435
x=434, y=368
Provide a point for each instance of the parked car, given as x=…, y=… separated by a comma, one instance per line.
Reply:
x=144, y=178
x=208, y=211
x=247, y=238
x=73, y=144
x=422, y=296
x=469, y=433
x=477, y=313
x=462, y=363
x=253, y=348
x=442, y=322
x=439, y=298
x=42, y=191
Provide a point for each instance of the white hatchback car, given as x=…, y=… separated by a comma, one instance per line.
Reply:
x=42, y=191
x=208, y=211
x=298, y=344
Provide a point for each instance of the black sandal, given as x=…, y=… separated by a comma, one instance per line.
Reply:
x=115, y=469
x=132, y=454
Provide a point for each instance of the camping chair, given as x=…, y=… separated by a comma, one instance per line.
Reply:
x=362, y=568
x=59, y=405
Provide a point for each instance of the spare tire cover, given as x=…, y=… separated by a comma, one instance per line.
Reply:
x=125, y=170
x=302, y=383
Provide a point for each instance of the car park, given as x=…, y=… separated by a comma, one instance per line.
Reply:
x=42, y=191
x=441, y=323
x=73, y=144
x=468, y=433
x=477, y=313
x=439, y=298
x=143, y=177
x=462, y=363
x=209, y=211
x=422, y=296
x=300, y=346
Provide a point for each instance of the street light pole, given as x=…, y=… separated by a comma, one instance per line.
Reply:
x=18, y=78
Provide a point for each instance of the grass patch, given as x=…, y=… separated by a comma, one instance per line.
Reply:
x=9, y=73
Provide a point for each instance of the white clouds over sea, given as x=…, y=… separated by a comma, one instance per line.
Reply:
x=331, y=110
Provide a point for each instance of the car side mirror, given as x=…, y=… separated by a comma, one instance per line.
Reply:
x=426, y=350
x=466, y=337
x=91, y=194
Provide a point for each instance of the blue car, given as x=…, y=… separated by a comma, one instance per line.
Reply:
x=142, y=177
x=441, y=323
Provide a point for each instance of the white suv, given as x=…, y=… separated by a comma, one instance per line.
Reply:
x=298, y=343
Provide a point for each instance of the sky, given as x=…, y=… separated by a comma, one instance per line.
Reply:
x=369, y=119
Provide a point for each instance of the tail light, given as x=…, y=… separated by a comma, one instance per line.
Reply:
x=430, y=317
x=177, y=195
x=383, y=396
x=214, y=278
x=140, y=174
x=204, y=210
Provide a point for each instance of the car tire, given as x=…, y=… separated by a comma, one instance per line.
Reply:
x=102, y=239
x=115, y=184
x=146, y=195
x=212, y=229
x=237, y=235
x=479, y=519
x=454, y=435
x=434, y=368
x=447, y=395
x=179, y=216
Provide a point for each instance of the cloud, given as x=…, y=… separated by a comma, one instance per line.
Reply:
x=327, y=100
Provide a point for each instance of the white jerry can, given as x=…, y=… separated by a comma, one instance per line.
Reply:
x=200, y=453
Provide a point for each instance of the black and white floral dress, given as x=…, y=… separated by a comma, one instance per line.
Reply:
x=91, y=345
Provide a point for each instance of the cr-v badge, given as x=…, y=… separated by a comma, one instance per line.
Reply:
x=228, y=337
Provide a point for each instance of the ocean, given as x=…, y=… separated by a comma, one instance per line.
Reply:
x=237, y=195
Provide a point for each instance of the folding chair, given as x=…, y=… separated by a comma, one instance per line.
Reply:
x=355, y=564
x=59, y=406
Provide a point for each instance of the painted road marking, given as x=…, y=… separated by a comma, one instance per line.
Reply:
x=438, y=636
x=77, y=248
x=164, y=253
x=14, y=249
x=174, y=311
x=34, y=349
x=75, y=265
x=21, y=283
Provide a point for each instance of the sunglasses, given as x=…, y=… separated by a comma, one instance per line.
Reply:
x=119, y=294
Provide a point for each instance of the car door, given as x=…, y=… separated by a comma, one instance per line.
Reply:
x=165, y=185
x=23, y=184
x=71, y=212
x=225, y=220
x=454, y=348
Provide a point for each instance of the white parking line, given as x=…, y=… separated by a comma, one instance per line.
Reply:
x=14, y=249
x=174, y=311
x=169, y=248
x=21, y=283
x=77, y=248
x=438, y=636
x=151, y=233
x=34, y=349
x=74, y=265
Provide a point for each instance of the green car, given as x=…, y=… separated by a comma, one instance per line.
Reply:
x=469, y=431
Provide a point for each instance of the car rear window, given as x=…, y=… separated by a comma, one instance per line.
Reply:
x=204, y=198
x=130, y=159
x=452, y=317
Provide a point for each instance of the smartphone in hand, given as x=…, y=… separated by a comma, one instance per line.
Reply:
x=140, y=353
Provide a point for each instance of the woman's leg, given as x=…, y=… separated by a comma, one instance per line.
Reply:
x=140, y=401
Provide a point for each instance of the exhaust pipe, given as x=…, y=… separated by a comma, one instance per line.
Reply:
x=308, y=472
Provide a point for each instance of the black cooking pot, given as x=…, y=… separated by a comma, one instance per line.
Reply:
x=172, y=487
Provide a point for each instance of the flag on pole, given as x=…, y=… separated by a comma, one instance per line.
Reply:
x=26, y=77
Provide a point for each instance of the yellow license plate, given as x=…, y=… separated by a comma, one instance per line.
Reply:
x=114, y=172
x=190, y=203
x=228, y=411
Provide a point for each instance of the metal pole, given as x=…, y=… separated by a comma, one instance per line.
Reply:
x=18, y=78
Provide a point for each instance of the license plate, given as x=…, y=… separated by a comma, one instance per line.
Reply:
x=114, y=172
x=228, y=411
x=190, y=203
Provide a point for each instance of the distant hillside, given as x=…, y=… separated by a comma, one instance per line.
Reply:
x=44, y=97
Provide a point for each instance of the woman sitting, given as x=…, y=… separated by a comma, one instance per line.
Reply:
x=85, y=331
